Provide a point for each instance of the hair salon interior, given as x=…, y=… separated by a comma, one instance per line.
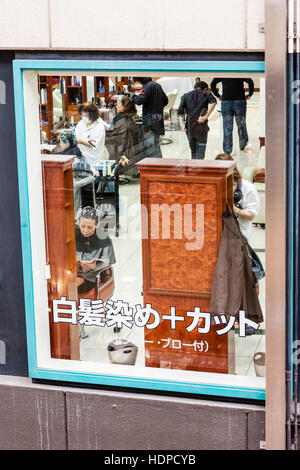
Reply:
x=109, y=130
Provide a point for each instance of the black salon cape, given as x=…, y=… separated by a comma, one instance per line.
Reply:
x=93, y=247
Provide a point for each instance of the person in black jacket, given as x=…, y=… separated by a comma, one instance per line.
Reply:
x=197, y=105
x=234, y=105
x=122, y=138
x=93, y=253
x=153, y=99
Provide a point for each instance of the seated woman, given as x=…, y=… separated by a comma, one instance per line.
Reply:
x=93, y=253
x=123, y=137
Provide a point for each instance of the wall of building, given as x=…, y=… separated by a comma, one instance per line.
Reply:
x=59, y=418
x=35, y=416
x=13, y=351
x=154, y=25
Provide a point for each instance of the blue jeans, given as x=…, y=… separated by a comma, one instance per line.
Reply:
x=197, y=148
x=234, y=109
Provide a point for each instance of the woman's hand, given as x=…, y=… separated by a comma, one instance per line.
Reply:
x=202, y=119
x=83, y=142
x=88, y=265
x=242, y=213
x=236, y=210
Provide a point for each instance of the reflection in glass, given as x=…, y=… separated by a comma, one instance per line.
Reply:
x=98, y=130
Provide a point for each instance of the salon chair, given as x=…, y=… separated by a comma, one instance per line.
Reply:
x=104, y=286
x=104, y=289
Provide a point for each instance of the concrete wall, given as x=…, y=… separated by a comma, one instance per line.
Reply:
x=43, y=417
x=13, y=351
x=118, y=25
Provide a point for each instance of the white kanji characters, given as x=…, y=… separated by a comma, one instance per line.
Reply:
x=64, y=311
x=118, y=313
x=167, y=341
x=198, y=347
x=229, y=323
x=142, y=315
x=201, y=346
x=175, y=343
x=243, y=321
x=173, y=318
x=85, y=308
x=197, y=316
x=92, y=312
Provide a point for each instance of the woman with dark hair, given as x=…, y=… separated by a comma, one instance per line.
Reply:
x=246, y=199
x=90, y=133
x=123, y=137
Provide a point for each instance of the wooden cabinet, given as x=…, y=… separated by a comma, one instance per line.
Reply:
x=61, y=250
x=183, y=202
x=101, y=89
x=120, y=82
x=72, y=111
x=75, y=94
x=46, y=105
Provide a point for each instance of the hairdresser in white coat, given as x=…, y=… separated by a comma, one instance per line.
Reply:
x=90, y=133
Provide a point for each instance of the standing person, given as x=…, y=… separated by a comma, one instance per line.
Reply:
x=246, y=200
x=122, y=136
x=245, y=207
x=90, y=133
x=197, y=104
x=153, y=99
x=233, y=105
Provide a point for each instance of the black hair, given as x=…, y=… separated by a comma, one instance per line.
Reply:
x=142, y=80
x=89, y=212
x=236, y=174
x=200, y=84
x=91, y=109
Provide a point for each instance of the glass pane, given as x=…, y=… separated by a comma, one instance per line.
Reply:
x=154, y=196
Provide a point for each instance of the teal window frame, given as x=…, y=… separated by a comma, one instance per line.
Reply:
x=117, y=67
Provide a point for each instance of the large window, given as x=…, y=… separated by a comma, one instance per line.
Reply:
x=143, y=221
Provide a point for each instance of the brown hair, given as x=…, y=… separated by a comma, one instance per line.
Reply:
x=226, y=156
x=128, y=105
x=91, y=109
x=200, y=84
